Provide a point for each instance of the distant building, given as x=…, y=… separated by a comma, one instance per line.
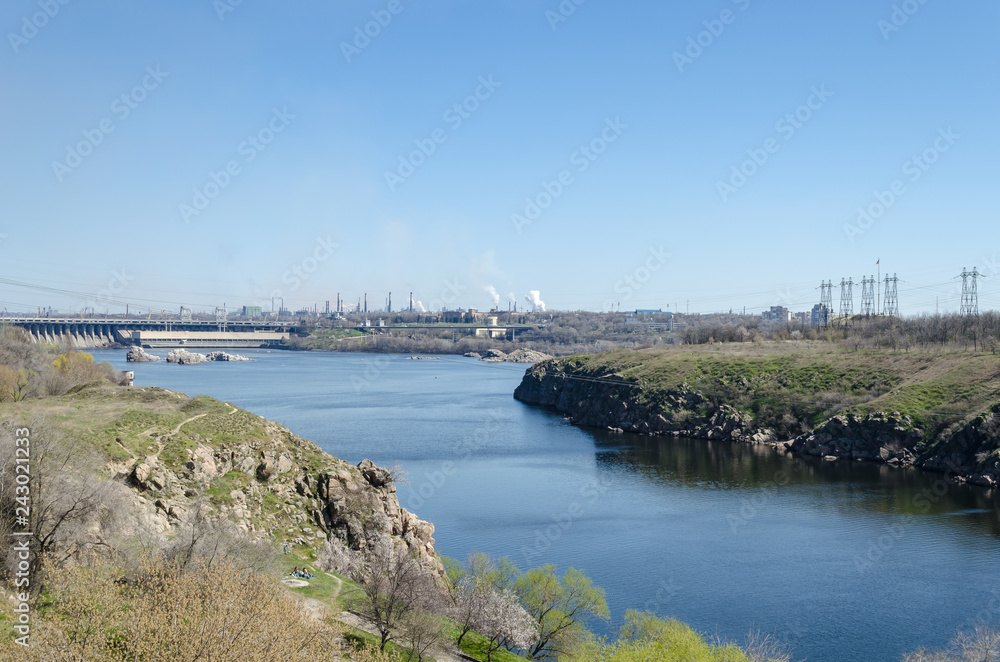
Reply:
x=820, y=315
x=252, y=311
x=777, y=314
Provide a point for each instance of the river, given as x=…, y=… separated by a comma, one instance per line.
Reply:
x=843, y=561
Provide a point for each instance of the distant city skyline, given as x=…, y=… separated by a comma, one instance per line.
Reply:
x=585, y=155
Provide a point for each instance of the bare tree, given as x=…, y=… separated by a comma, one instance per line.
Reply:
x=762, y=647
x=71, y=508
x=391, y=585
x=420, y=631
x=206, y=541
x=980, y=645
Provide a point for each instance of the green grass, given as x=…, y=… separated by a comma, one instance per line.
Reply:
x=475, y=645
x=359, y=638
x=219, y=489
x=809, y=382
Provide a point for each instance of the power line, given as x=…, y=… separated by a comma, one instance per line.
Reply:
x=970, y=291
x=847, y=297
x=891, y=300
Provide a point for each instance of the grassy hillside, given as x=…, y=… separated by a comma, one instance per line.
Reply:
x=799, y=385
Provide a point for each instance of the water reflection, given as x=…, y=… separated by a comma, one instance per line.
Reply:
x=846, y=487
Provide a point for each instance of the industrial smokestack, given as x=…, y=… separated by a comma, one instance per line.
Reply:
x=366, y=303
x=411, y=302
x=390, y=303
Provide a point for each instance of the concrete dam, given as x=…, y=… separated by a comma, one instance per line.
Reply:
x=95, y=333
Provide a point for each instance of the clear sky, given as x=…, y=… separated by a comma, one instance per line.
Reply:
x=712, y=155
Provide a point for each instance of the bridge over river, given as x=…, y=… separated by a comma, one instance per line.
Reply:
x=103, y=332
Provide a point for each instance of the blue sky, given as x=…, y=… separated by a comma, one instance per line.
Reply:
x=599, y=164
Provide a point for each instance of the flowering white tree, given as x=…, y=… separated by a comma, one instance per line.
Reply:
x=503, y=620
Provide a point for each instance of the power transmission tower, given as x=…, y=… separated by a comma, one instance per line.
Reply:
x=847, y=297
x=890, y=301
x=970, y=291
x=826, y=294
x=868, y=296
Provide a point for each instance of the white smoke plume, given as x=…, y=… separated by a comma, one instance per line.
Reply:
x=534, y=298
x=511, y=297
x=493, y=294
x=420, y=307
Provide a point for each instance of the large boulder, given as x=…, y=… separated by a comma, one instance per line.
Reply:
x=184, y=357
x=138, y=355
x=376, y=476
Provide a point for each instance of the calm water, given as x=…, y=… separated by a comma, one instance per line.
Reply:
x=844, y=561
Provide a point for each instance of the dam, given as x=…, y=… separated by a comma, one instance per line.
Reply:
x=83, y=332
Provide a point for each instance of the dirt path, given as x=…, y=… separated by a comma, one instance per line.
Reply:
x=340, y=585
x=184, y=422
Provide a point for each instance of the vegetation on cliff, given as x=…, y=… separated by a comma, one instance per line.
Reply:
x=940, y=407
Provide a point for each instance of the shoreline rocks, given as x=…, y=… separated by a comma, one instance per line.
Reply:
x=136, y=354
x=517, y=356
x=972, y=454
x=184, y=357
x=224, y=356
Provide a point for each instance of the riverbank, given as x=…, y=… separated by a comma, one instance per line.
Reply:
x=938, y=411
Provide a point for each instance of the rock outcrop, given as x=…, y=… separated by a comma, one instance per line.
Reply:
x=517, y=356
x=184, y=357
x=277, y=487
x=224, y=356
x=970, y=454
x=136, y=354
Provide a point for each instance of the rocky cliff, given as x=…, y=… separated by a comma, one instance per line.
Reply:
x=197, y=458
x=608, y=399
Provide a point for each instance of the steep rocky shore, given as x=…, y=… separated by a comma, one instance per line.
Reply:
x=182, y=461
x=609, y=400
